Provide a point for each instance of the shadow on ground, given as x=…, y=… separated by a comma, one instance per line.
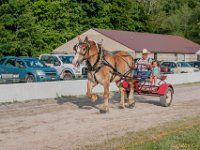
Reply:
x=84, y=102
x=148, y=100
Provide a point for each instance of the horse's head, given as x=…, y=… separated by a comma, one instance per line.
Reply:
x=81, y=51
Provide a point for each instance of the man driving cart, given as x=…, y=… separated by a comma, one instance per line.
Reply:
x=143, y=65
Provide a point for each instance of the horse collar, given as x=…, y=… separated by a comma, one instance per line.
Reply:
x=94, y=67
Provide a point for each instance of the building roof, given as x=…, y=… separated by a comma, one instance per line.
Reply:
x=153, y=42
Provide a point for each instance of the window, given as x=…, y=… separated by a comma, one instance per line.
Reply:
x=53, y=60
x=10, y=62
x=66, y=59
x=166, y=64
x=198, y=64
x=192, y=64
x=45, y=59
x=34, y=63
x=183, y=64
x=20, y=64
x=2, y=61
x=173, y=65
x=50, y=59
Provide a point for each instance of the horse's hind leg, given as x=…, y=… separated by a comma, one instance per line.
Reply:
x=89, y=93
x=131, y=101
x=122, y=94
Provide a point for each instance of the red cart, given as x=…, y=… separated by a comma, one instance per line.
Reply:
x=143, y=87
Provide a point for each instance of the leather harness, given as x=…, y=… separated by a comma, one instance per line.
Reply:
x=100, y=62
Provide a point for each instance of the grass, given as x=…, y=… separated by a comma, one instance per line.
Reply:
x=178, y=135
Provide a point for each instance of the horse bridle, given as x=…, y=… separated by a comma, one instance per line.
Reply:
x=80, y=47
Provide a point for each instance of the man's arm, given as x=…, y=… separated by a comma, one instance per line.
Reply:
x=149, y=65
x=136, y=64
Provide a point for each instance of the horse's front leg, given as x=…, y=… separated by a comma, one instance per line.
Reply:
x=106, y=97
x=90, y=86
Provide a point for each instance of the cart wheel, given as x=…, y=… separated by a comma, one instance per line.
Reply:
x=166, y=99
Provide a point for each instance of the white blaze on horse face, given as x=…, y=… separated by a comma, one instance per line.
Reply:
x=75, y=61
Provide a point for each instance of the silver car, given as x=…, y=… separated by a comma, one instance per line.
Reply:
x=179, y=67
x=63, y=64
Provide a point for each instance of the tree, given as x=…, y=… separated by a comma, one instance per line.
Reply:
x=18, y=30
x=32, y=27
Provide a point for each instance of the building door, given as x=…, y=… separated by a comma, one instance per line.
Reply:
x=198, y=57
x=155, y=56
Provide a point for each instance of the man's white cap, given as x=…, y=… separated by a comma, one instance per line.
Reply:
x=145, y=51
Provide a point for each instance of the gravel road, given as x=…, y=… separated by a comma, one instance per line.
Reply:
x=72, y=122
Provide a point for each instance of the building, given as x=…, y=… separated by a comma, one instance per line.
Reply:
x=162, y=47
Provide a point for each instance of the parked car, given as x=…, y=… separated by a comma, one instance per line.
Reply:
x=177, y=67
x=63, y=64
x=29, y=69
x=195, y=64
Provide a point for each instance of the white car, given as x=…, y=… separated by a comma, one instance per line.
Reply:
x=179, y=67
x=63, y=64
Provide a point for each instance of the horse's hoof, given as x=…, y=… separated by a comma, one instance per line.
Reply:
x=103, y=111
x=121, y=107
x=94, y=98
x=132, y=105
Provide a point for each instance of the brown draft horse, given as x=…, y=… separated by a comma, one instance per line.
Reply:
x=103, y=68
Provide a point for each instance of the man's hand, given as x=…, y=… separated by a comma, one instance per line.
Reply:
x=147, y=65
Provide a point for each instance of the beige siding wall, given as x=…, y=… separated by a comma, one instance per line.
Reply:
x=190, y=57
x=160, y=56
x=166, y=56
x=179, y=57
x=108, y=43
x=139, y=55
x=171, y=56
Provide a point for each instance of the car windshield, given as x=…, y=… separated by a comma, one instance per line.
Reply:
x=183, y=64
x=66, y=59
x=34, y=63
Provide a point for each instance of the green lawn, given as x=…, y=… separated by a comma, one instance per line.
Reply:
x=179, y=138
x=178, y=135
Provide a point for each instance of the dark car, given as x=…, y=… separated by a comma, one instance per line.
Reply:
x=8, y=77
x=195, y=64
x=29, y=69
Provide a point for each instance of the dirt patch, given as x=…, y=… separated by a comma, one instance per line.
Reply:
x=69, y=123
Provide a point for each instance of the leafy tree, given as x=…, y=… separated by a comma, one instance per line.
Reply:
x=18, y=30
x=32, y=27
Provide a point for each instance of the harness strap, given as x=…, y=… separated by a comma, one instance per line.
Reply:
x=93, y=68
x=115, y=71
x=101, y=57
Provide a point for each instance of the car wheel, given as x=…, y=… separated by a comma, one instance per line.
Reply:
x=68, y=76
x=30, y=78
x=166, y=99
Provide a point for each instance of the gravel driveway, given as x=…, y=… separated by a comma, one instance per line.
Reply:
x=71, y=122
